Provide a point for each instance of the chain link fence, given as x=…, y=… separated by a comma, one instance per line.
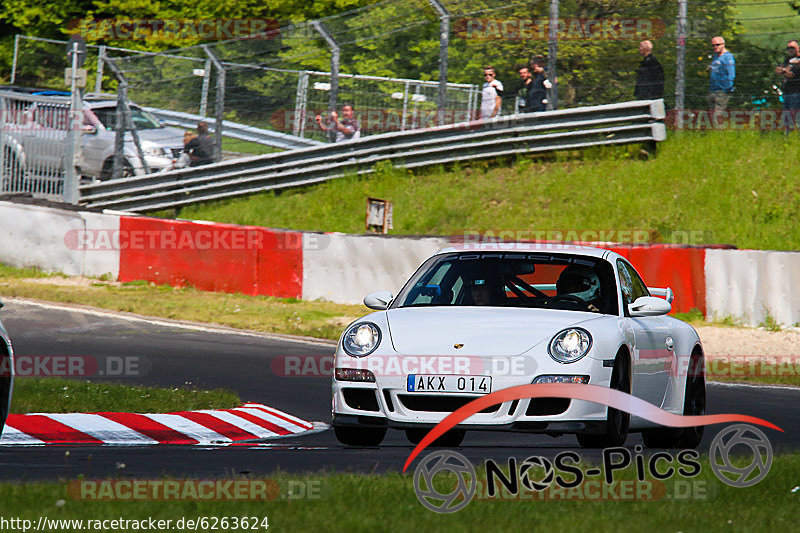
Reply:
x=407, y=64
x=279, y=78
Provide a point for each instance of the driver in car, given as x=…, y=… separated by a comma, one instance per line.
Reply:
x=484, y=291
x=583, y=283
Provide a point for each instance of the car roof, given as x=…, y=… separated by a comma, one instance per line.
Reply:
x=528, y=247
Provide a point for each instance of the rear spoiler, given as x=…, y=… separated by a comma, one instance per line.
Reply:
x=667, y=293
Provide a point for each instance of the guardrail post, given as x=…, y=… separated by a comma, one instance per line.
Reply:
x=552, y=55
x=680, y=62
x=335, y=51
x=124, y=123
x=219, y=107
x=444, y=40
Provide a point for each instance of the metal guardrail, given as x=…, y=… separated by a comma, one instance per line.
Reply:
x=629, y=122
x=235, y=130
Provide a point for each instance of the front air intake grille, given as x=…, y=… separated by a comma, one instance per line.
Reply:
x=547, y=406
x=361, y=399
x=439, y=404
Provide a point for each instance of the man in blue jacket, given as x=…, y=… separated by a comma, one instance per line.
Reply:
x=723, y=72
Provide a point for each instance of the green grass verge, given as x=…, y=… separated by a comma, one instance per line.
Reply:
x=720, y=187
x=246, y=147
x=387, y=502
x=56, y=395
x=261, y=313
x=768, y=23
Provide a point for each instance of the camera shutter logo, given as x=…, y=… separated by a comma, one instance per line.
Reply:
x=525, y=473
x=746, y=435
x=447, y=461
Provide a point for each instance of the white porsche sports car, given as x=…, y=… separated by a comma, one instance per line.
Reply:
x=477, y=319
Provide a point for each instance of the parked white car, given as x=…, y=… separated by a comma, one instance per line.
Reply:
x=473, y=320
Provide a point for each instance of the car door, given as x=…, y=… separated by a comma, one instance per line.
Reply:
x=652, y=353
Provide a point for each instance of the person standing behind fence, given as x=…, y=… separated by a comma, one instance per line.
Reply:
x=789, y=70
x=491, y=94
x=723, y=72
x=649, y=75
x=340, y=130
x=200, y=148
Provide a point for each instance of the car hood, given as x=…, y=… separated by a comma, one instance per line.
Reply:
x=483, y=331
x=165, y=137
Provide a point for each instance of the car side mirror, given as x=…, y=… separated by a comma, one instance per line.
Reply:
x=649, y=306
x=89, y=129
x=378, y=300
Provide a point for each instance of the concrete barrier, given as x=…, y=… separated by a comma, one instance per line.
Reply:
x=748, y=285
x=348, y=267
x=51, y=239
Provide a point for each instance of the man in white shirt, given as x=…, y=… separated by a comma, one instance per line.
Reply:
x=491, y=94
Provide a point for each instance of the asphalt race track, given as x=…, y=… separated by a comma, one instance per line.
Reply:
x=174, y=356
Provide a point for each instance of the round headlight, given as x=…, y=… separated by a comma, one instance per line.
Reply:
x=361, y=339
x=570, y=345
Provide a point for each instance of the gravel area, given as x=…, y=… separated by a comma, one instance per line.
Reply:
x=728, y=342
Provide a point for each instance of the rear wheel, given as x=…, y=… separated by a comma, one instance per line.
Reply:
x=355, y=436
x=450, y=439
x=694, y=404
x=617, y=422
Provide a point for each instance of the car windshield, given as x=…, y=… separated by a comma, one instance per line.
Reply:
x=534, y=280
x=142, y=120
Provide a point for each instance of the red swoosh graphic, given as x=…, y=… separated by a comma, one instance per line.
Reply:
x=592, y=393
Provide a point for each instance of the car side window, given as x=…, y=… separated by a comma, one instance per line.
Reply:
x=632, y=285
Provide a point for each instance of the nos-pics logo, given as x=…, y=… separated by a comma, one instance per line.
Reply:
x=446, y=497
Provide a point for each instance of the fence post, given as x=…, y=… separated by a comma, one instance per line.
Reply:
x=444, y=40
x=5, y=180
x=204, y=90
x=335, y=50
x=300, y=104
x=14, y=61
x=680, y=80
x=124, y=123
x=552, y=54
x=219, y=106
x=98, y=79
x=73, y=146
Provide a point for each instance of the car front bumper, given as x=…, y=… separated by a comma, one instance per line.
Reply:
x=387, y=402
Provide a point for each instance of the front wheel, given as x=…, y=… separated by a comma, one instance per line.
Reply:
x=617, y=422
x=694, y=404
x=355, y=436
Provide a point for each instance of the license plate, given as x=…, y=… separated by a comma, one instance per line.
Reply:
x=447, y=383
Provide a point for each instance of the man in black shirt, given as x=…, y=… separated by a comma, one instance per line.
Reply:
x=201, y=148
x=789, y=70
x=649, y=75
x=534, y=86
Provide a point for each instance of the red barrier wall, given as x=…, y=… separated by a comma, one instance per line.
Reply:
x=219, y=257
x=683, y=269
